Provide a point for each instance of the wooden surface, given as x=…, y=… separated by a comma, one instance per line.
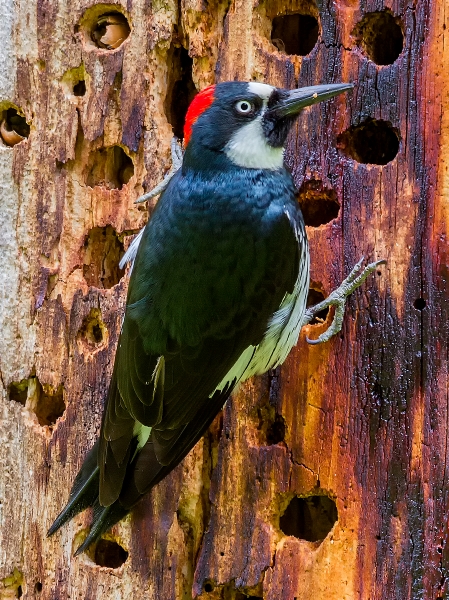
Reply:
x=365, y=415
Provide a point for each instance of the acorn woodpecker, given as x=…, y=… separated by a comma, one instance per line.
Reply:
x=217, y=293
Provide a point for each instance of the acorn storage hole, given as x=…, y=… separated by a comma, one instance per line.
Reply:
x=372, y=142
x=310, y=518
x=295, y=33
x=102, y=253
x=319, y=205
x=181, y=90
x=79, y=89
x=13, y=127
x=18, y=391
x=103, y=28
x=419, y=304
x=380, y=36
x=38, y=587
x=315, y=296
x=93, y=333
x=109, y=167
x=108, y=553
x=276, y=431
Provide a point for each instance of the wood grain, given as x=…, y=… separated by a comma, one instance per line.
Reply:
x=365, y=415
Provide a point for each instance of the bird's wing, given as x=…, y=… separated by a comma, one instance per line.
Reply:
x=201, y=293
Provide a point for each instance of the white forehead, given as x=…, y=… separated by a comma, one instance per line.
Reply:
x=261, y=89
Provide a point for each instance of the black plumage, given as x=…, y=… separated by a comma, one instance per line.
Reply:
x=219, y=283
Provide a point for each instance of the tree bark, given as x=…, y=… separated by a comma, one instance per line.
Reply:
x=355, y=429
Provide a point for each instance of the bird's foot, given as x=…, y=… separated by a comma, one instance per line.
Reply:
x=338, y=299
x=176, y=157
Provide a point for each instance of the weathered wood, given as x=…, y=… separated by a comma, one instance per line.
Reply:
x=362, y=420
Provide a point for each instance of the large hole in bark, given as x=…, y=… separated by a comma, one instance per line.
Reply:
x=181, y=90
x=315, y=296
x=18, y=391
x=319, y=205
x=93, y=334
x=309, y=518
x=373, y=141
x=47, y=403
x=109, y=167
x=295, y=34
x=108, y=553
x=276, y=431
x=103, y=28
x=13, y=126
x=380, y=36
x=102, y=253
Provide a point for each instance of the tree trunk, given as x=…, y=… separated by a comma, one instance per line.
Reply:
x=326, y=478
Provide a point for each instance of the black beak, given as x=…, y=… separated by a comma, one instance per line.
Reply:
x=285, y=105
x=291, y=102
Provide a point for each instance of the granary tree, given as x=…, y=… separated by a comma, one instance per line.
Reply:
x=324, y=478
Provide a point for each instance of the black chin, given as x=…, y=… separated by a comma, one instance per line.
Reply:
x=276, y=128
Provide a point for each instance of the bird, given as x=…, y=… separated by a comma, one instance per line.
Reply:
x=217, y=293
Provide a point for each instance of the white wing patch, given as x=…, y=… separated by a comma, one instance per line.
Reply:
x=283, y=328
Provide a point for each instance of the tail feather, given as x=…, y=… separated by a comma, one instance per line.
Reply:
x=104, y=518
x=84, y=491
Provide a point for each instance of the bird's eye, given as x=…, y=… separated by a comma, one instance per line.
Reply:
x=244, y=107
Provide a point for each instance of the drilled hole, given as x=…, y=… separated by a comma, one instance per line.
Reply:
x=319, y=205
x=309, y=518
x=374, y=142
x=13, y=127
x=38, y=587
x=93, y=333
x=181, y=90
x=208, y=587
x=79, y=89
x=47, y=403
x=295, y=34
x=276, y=431
x=102, y=253
x=380, y=36
x=315, y=296
x=107, y=553
x=109, y=167
x=419, y=304
x=110, y=30
x=18, y=391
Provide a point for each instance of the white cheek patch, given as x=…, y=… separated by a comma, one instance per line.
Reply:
x=248, y=148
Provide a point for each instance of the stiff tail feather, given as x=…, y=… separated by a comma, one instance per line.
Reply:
x=83, y=493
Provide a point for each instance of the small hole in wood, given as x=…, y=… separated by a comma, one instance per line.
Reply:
x=108, y=553
x=319, y=205
x=276, y=431
x=109, y=167
x=93, y=333
x=181, y=90
x=47, y=403
x=102, y=253
x=110, y=30
x=372, y=142
x=79, y=89
x=18, y=391
x=38, y=587
x=208, y=587
x=315, y=296
x=295, y=34
x=13, y=127
x=309, y=518
x=419, y=304
x=380, y=36
x=19, y=592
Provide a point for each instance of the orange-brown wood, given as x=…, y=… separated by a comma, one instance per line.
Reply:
x=357, y=428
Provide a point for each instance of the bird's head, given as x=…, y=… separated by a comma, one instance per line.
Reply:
x=246, y=124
